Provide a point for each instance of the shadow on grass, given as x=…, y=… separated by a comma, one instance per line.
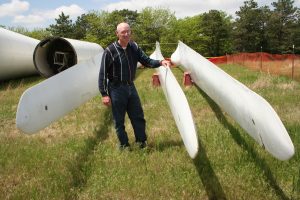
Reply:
x=208, y=177
x=166, y=145
x=297, y=187
x=293, y=130
x=80, y=168
x=260, y=162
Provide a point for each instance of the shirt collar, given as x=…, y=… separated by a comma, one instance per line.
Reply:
x=119, y=46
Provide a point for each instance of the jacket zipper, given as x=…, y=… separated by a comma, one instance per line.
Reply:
x=128, y=64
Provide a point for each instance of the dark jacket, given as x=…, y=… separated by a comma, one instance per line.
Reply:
x=119, y=65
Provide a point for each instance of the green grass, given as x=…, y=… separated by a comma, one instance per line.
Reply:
x=77, y=156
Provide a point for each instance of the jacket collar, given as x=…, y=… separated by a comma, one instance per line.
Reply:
x=119, y=46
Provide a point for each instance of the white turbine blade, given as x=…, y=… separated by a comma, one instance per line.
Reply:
x=53, y=98
x=178, y=104
x=253, y=113
x=16, y=52
x=55, y=54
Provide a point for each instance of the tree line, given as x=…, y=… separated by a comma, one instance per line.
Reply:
x=274, y=29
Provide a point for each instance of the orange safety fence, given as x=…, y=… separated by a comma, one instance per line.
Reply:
x=281, y=64
x=218, y=60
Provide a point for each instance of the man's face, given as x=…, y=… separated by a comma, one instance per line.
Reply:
x=124, y=33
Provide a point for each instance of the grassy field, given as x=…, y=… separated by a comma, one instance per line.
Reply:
x=77, y=156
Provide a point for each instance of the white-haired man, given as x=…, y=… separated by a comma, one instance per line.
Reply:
x=116, y=84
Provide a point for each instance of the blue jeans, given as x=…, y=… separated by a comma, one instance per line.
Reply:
x=124, y=98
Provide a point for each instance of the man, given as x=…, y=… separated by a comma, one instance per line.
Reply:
x=117, y=73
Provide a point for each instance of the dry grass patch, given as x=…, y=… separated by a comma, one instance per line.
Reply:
x=263, y=81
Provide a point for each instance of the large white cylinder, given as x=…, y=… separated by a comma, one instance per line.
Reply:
x=53, y=55
x=16, y=52
x=251, y=111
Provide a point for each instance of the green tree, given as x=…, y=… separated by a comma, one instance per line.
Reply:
x=281, y=26
x=63, y=27
x=216, y=28
x=101, y=26
x=124, y=15
x=80, y=27
x=151, y=25
x=250, y=27
x=296, y=33
x=19, y=29
x=94, y=26
x=189, y=31
x=38, y=33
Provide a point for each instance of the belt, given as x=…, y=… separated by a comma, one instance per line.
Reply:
x=121, y=82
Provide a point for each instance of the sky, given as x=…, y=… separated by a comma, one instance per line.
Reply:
x=41, y=13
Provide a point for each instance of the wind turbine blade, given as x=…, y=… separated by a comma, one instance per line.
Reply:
x=16, y=52
x=252, y=112
x=53, y=98
x=53, y=55
x=178, y=104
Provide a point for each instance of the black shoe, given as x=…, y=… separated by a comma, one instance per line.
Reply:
x=124, y=147
x=142, y=145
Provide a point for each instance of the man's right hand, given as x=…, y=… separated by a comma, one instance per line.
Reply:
x=165, y=63
x=106, y=100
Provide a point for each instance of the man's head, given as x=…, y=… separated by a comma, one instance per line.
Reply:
x=123, y=32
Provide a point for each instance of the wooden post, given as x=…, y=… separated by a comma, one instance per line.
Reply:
x=187, y=80
x=293, y=62
x=260, y=58
x=155, y=80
